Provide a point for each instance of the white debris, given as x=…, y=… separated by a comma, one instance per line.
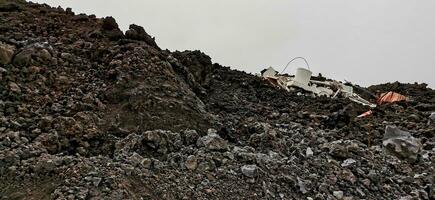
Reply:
x=309, y=152
x=302, y=80
x=348, y=162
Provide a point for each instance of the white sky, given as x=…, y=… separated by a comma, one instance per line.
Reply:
x=363, y=41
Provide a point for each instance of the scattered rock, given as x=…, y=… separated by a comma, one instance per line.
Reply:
x=23, y=58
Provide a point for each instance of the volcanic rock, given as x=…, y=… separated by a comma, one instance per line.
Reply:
x=111, y=30
x=88, y=113
x=212, y=141
x=401, y=143
x=136, y=32
x=191, y=162
x=6, y=53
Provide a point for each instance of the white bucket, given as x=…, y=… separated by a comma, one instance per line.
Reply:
x=303, y=76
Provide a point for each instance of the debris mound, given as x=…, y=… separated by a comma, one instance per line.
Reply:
x=90, y=112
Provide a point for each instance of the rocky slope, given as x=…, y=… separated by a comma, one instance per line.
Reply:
x=90, y=112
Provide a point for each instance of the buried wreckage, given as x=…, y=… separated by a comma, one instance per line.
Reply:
x=329, y=88
x=302, y=80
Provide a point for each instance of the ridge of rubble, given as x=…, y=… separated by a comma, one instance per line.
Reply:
x=90, y=112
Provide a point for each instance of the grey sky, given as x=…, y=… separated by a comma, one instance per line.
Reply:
x=363, y=41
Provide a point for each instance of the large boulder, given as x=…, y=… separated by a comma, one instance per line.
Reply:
x=37, y=53
x=401, y=143
x=111, y=29
x=109, y=24
x=136, y=32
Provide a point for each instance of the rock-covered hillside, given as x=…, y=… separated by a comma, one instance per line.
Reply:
x=90, y=112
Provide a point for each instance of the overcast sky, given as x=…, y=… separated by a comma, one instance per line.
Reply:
x=362, y=41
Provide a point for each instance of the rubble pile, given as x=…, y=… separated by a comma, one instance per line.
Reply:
x=90, y=112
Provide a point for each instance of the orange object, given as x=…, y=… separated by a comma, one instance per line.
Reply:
x=366, y=114
x=390, y=97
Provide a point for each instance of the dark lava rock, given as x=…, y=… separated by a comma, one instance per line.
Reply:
x=109, y=24
x=136, y=32
x=10, y=6
x=88, y=113
x=111, y=29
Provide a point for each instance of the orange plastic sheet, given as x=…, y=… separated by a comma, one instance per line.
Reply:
x=390, y=97
x=365, y=114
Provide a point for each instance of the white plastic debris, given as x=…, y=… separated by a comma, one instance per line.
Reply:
x=302, y=80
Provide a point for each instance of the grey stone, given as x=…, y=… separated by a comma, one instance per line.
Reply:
x=414, y=117
x=249, y=170
x=338, y=194
x=96, y=181
x=191, y=162
x=432, y=116
x=24, y=58
x=348, y=162
x=206, y=166
x=401, y=143
x=136, y=158
x=45, y=165
x=212, y=141
x=14, y=87
x=146, y=162
x=33, y=54
x=190, y=137
x=309, y=152
x=301, y=185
